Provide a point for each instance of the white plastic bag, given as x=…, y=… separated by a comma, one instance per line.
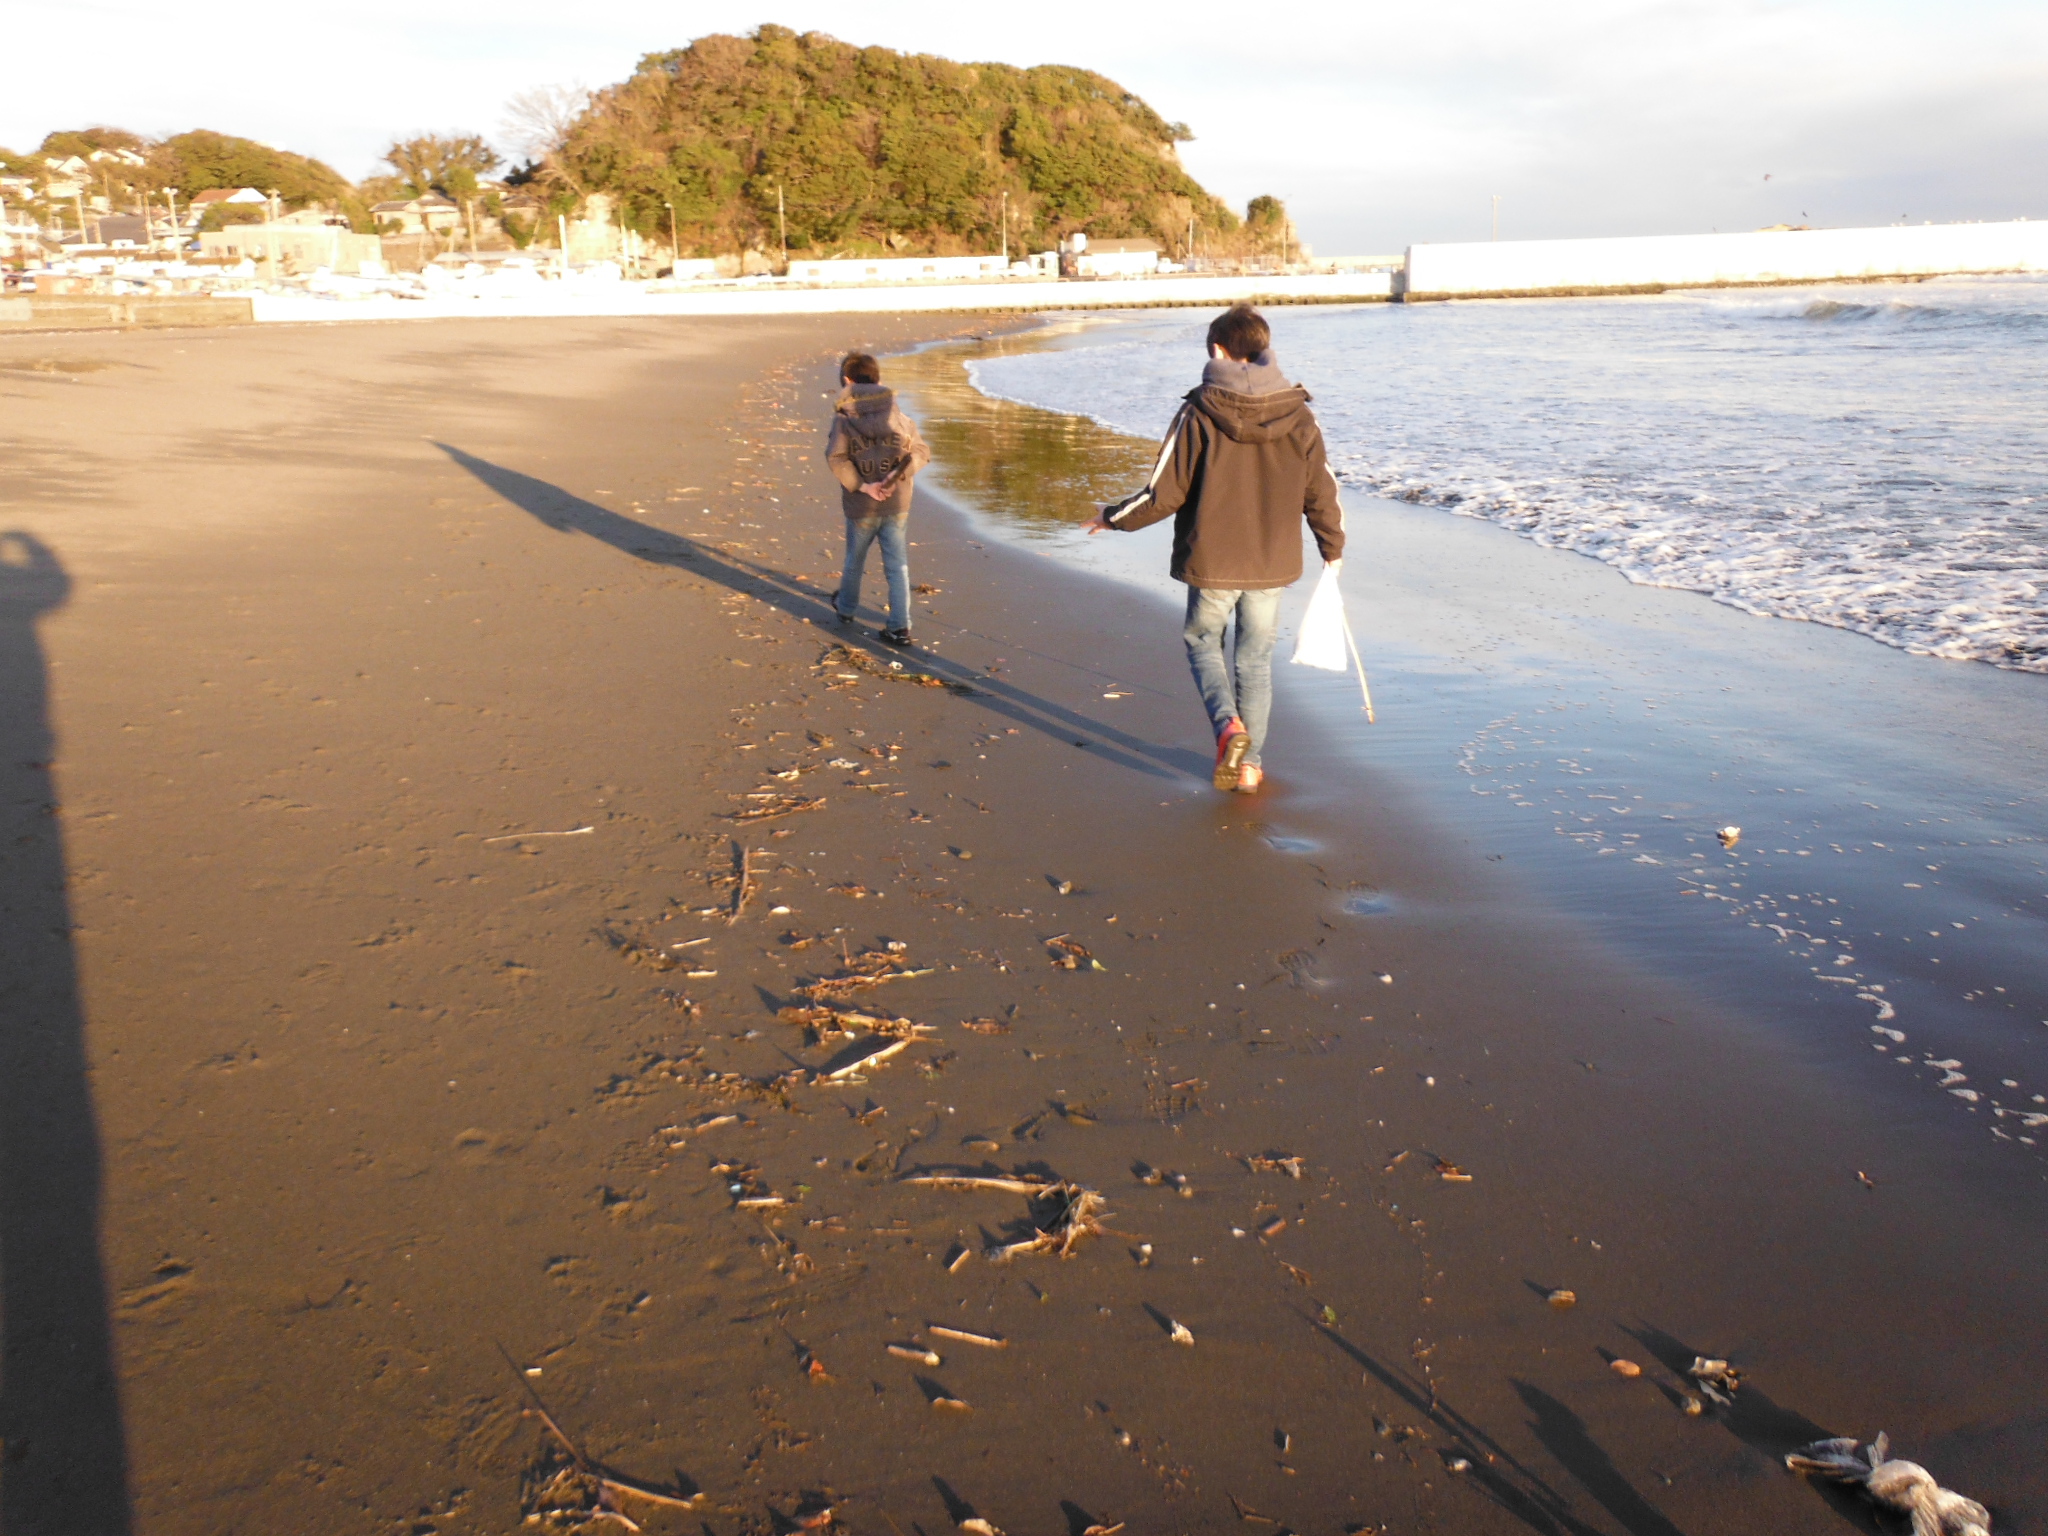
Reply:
x=1321, y=641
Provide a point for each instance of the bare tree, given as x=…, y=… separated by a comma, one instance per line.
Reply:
x=537, y=122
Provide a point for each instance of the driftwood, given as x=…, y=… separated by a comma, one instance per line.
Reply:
x=585, y=1489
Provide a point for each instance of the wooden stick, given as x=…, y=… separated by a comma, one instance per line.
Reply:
x=583, y=1463
x=1363, y=686
x=739, y=904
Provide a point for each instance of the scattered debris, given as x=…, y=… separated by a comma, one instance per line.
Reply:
x=1180, y=1333
x=951, y=1403
x=1301, y=1276
x=772, y=806
x=869, y=968
x=827, y=1020
x=891, y=672
x=852, y=888
x=911, y=1352
x=1729, y=836
x=961, y=1336
x=1626, y=1368
x=1451, y=1173
x=1069, y=954
x=1693, y=1407
x=1293, y=1167
x=975, y=1523
x=1717, y=1378
x=1563, y=1301
x=1904, y=1486
x=578, y=1491
x=985, y=1026
x=1060, y=887
x=1274, y=1227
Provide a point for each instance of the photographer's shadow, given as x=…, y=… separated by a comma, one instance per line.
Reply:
x=63, y=1458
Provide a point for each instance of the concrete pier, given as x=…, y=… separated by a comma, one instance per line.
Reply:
x=1653, y=263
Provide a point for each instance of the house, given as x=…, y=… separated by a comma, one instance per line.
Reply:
x=116, y=157
x=1083, y=257
x=293, y=249
x=433, y=214
x=216, y=196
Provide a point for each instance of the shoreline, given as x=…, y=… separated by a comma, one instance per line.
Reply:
x=453, y=1096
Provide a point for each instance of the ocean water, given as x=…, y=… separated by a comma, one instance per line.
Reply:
x=1886, y=903
x=1868, y=456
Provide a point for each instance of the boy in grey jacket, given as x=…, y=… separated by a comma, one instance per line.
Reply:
x=875, y=452
x=1242, y=466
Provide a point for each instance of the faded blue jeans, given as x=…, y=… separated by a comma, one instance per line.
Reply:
x=1249, y=695
x=860, y=533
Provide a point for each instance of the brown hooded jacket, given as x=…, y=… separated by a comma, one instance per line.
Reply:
x=1238, y=471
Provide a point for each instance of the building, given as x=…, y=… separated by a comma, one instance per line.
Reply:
x=294, y=249
x=214, y=197
x=432, y=214
x=898, y=269
x=1083, y=257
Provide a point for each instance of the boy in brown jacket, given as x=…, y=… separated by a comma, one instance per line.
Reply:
x=1242, y=466
x=875, y=452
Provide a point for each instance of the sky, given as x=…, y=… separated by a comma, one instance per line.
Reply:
x=1380, y=124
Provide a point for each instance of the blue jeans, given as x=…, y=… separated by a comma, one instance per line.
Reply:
x=1249, y=696
x=860, y=533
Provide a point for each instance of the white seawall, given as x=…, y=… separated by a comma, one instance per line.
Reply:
x=623, y=298
x=1509, y=268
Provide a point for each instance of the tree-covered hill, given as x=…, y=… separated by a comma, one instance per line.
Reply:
x=874, y=149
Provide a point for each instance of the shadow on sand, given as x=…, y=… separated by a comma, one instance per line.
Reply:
x=567, y=513
x=63, y=1460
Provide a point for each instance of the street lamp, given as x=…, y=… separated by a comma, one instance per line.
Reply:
x=171, y=197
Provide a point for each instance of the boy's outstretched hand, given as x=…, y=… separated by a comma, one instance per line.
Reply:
x=1096, y=524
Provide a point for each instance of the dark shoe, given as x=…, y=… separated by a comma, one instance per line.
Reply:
x=894, y=637
x=843, y=618
x=1231, y=747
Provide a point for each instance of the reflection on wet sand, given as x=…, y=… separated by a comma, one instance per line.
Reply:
x=1034, y=469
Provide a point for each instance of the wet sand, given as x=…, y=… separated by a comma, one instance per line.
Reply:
x=328, y=1079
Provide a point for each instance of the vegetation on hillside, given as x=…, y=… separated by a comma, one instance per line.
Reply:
x=871, y=149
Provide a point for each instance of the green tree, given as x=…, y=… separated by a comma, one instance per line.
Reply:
x=870, y=150
x=427, y=161
x=202, y=160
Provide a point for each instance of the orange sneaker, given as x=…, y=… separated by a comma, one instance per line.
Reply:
x=1249, y=777
x=1231, y=747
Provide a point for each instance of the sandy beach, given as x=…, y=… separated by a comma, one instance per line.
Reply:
x=436, y=792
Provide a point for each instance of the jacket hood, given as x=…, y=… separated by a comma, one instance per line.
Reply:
x=1253, y=418
x=1260, y=375
x=866, y=400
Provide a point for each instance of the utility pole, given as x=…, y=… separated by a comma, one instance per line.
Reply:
x=1496, y=215
x=1191, y=245
x=675, y=249
x=270, y=236
x=1006, y=229
x=171, y=197
x=782, y=228
x=562, y=230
